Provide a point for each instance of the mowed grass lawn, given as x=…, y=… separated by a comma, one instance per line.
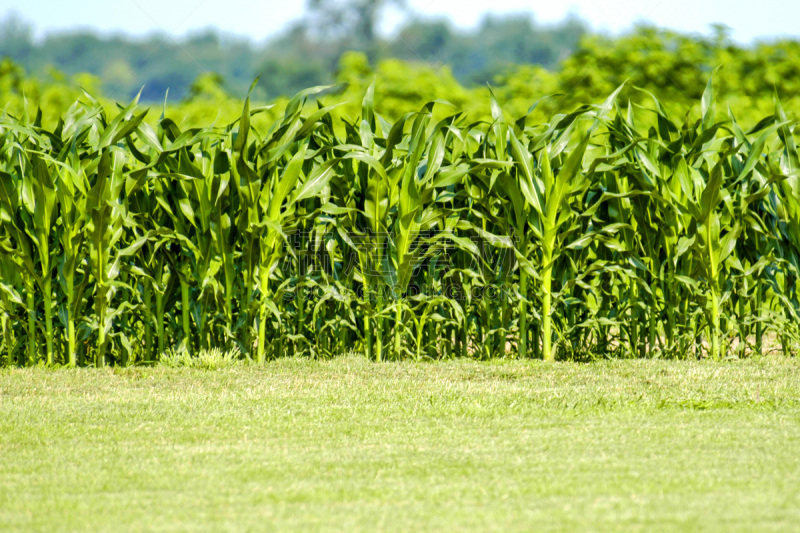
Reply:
x=350, y=445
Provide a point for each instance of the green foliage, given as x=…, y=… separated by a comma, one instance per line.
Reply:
x=23, y=94
x=594, y=233
x=433, y=62
x=400, y=86
x=523, y=60
x=675, y=67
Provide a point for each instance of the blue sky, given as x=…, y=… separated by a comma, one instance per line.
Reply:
x=259, y=19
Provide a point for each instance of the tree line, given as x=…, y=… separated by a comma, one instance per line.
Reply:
x=306, y=53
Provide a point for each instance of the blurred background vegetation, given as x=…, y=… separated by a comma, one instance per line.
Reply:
x=206, y=74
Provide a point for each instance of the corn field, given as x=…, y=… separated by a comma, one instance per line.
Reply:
x=610, y=231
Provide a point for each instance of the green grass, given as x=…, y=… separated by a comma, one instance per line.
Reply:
x=350, y=445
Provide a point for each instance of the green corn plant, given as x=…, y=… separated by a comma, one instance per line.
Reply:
x=105, y=231
x=42, y=210
x=11, y=282
x=545, y=210
x=18, y=205
x=709, y=199
x=10, y=300
x=71, y=190
x=269, y=196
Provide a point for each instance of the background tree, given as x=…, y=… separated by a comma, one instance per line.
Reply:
x=353, y=22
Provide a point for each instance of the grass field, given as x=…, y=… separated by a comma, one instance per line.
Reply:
x=352, y=445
